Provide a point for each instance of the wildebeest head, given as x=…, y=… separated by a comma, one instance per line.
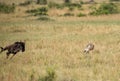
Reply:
x=22, y=45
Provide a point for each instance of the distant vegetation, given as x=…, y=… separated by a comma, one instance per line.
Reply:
x=55, y=5
x=78, y=5
x=61, y=6
x=45, y=7
x=81, y=15
x=44, y=18
x=104, y=9
x=67, y=1
x=25, y=3
x=4, y=8
x=42, y=2
x=39, y=11
x=68, y=14
x=101, y=9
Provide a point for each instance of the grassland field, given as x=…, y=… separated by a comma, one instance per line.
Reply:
x=58, y=44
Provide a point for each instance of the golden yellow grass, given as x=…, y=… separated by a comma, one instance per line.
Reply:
x=58, y=44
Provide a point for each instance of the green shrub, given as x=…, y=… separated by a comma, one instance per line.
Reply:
x=71, y=8
x=44, y=18
x=67, y=1
x=104, y=9
x=68, y=14
x=42, y=2
x=81, y=15
x=4, y=8
x=81, y=2
x=55, y=5
x=52, y=5
x=39, y=11
x=32, y=76
x=73, y=5
x=51, y=76
x=25, y=3
x=32, y=11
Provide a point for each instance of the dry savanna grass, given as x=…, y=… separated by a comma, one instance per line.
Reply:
x=58, y=44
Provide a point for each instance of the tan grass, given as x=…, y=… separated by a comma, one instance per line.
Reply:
x=59, y=44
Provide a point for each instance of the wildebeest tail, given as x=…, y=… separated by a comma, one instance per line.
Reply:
x=1, y=49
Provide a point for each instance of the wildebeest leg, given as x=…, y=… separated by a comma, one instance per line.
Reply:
x=13, y=55
x=8, y=53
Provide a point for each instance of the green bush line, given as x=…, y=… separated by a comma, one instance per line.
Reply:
x=4, y=8
x=104, y=9
x=38, y=11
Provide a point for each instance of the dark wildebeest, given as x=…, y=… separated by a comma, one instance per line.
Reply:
x=88, y=48
x=14, y=48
